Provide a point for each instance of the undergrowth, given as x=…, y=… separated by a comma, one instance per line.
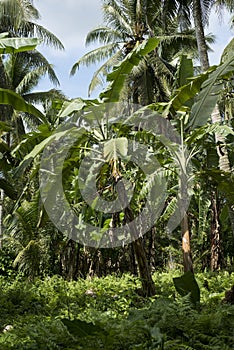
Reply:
x=108, y=313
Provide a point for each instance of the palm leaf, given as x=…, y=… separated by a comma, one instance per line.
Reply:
x=31, y=78
x=44, y=96
x=96, y=55
x=36, y=59
x=99, y=75
x=115, y=14
x=104, y=35
x=4, y=127
x=48, y=38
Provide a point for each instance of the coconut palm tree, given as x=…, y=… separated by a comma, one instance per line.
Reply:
x=19, y=18
x=128, y=23
x=23, y=72
x=200, y=11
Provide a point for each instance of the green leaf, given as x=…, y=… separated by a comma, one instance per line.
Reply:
x=203, y=131
x=5, y=127
x=8, y=189
x=170, y=209
x=9, y=97
x=187, y=284
x=115, y=148
x=185, y=70
x=13, y=45
x=120, y=72
x=228, y=51
x=80, y=328
x=39, y=148
x=185, y=93
x=210, y=91
x=70, y=107
x=76, y=105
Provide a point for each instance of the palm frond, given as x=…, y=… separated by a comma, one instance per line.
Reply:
x=101, y=73
x=206, y=6
x=30, y=80
x=169, y=11
x=14, y=13
x=104, y=35
x=25, y=70
x=38, y=60
x=229, y=4
x=184, y=14
x=18, y=18
x=35, y=30
x=96, y=55
x=29, y=258
x=115, y=16
x=44, y=96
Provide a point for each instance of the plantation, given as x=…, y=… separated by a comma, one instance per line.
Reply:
x=117, y=212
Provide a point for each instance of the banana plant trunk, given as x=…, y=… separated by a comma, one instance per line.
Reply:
x=186, y=246
x=148, y=286
x=185, y=232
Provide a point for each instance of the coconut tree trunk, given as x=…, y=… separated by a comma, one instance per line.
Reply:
x=200, y=35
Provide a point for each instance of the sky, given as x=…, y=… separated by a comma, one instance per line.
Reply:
x=71, y=20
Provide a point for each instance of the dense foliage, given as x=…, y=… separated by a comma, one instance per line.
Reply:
x=109, y=313
x=61, y=286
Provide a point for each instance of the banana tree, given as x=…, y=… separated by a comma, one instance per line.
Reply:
x=88, y=139
x=196, y=101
